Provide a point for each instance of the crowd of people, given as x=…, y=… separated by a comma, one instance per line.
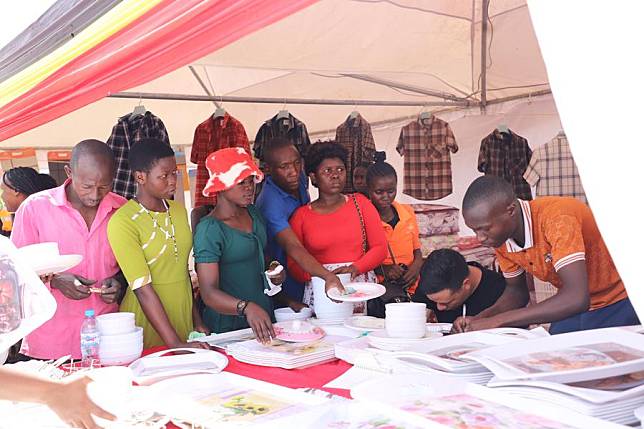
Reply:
x=136, y=253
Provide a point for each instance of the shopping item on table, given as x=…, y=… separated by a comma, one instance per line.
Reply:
x=121, y=349
x=614, y=398
x=383, y=341
x=358, y=292
x=297, y=331
x=285, y=355
x=287, y=313
x=445, y=402
x=567, y=358
x=165, y=364
x=365, y=323
x=222, y=341
x=229, y=400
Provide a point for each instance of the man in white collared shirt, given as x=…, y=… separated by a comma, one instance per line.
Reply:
x=557, y=240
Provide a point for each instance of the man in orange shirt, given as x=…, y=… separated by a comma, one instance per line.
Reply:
x=557, y=240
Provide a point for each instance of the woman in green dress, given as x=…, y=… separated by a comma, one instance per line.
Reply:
x=229, y=249
x=151, y=240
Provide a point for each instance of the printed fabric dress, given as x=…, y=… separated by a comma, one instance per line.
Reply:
x=147, y=253
x=240, y=256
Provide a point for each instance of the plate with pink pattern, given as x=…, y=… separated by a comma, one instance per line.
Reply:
x=297, y=331
x=358, y=292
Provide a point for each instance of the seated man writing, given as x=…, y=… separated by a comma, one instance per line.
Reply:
x=449, y=285
x=557, y=240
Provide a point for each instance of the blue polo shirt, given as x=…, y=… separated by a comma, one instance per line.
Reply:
x=277, y=207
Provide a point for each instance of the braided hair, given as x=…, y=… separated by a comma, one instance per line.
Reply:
x=27, y=180
x=380, y=168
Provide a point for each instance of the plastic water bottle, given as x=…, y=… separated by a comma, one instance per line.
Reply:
x=89, y=339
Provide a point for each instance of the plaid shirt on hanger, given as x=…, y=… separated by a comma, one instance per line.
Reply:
x=553, y=171
x=506, y=155
x=211, y=135
x=128, y=130
x=428, y=163
x=291, y=128
x=355, y=136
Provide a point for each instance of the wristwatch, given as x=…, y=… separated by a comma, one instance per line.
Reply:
x=241, y=307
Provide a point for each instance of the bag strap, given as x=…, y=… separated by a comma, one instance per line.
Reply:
x=362, y=225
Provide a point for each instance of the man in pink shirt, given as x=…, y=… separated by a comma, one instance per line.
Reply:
x=74, y=215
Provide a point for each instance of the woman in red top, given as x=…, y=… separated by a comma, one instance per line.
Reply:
x=331, y=227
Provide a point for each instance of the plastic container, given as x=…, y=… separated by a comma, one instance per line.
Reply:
x=323, y=307
x=115, y=323
x=90, y=339
x=284, y=314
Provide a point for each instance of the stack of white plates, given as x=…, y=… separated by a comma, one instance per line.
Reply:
x=121, y=341
x=285, y=355
x=406, y=320
x=382, y=340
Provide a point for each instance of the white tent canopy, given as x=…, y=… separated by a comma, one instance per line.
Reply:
x=411, y=51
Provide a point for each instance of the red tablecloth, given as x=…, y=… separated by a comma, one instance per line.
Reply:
x=315, y=376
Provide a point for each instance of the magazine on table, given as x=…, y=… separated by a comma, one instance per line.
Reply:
x=598, y=391
x=566, y=358
x=229, y=400
x=433, y=401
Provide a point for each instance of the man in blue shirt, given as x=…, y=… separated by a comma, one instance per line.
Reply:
x=284, y=190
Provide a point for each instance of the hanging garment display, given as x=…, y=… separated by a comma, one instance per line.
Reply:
x=281, y=125
x=426, y=145
x=130, y=129
x=355, y=136
x=553, y=171
x=211, y=135
x=506, y=154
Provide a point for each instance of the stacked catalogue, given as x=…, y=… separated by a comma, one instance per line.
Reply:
x=599, y=373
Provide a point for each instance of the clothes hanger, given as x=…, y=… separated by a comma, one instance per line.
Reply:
x=139, y=110
x=219, y=111
x=354, y=114
x=283, y=114
x=502, y=128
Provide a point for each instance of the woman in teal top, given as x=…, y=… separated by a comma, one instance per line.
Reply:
x=229, y=249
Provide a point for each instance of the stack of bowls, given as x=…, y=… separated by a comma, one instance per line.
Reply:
x=405, y=320
x=121, y=341
x=325, y=309
x=286, y=314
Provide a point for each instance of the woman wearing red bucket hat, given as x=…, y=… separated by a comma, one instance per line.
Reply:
x=229, y=248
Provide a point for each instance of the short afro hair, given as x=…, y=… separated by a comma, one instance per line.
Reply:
x=273, y=145
x=318, y=152
x=146, y=153
x=489, y=190
x=443, y=269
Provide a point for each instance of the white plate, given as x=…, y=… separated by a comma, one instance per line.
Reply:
x=296, y=331
x=158, y=366
x=445, y=328
x=364, y=323
x=363, y=291
x=55, y=265
x=326, y=322
x=382, y=336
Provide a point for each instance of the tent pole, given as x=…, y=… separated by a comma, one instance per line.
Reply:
x=484, y=19
x=403, y=86
x=203, y=85
x=281, y=101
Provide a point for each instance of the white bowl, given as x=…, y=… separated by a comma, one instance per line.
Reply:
x=406, y=331
x=115, y=323
x=406, y=307
x=285, y=314
x=136, y=334
x=120, y=360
